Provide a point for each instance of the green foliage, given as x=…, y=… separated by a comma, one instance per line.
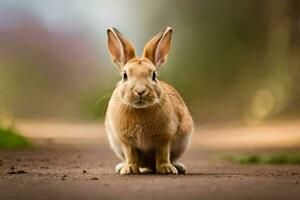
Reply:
x=11, y=139
x=273, y=159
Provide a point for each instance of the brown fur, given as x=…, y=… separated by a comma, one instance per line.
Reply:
x=148, y=131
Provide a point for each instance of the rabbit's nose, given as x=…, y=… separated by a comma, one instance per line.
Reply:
x=141, y=91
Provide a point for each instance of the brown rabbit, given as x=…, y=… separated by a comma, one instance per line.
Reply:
x=147, y=122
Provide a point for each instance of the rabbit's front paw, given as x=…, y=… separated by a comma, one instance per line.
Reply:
x=167, y=169
x=130, y=169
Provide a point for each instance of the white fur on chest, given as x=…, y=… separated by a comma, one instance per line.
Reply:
x=142, y=136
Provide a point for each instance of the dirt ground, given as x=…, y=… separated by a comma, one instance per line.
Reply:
x=75, y=162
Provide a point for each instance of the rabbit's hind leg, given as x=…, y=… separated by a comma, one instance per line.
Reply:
x=180, y=168
x=178, y=146
x=119, y=166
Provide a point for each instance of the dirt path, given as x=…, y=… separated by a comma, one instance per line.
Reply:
x=65, y=168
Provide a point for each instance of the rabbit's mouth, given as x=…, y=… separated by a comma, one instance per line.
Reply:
x=142, y=103
x=139, y=101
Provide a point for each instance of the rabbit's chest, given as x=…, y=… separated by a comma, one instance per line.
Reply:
x=141, y=135
x=142, y=129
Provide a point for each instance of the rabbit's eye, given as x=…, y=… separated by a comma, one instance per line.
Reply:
x=125, y=77
x=154, y=76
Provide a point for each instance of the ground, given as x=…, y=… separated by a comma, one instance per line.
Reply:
x=74, y=161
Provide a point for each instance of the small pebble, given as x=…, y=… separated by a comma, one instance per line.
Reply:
x=94, y=178
x=84, y=171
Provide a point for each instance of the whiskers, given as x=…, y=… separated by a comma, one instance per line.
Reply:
x=100, y=100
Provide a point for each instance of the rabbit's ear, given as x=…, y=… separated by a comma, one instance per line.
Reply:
x=157, y=48
x=120, y=48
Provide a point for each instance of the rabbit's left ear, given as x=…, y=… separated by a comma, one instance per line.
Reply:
x=157, y=48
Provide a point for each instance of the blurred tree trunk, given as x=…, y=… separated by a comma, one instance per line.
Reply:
x=284, y=48
x=294, y=42
x=293, y=13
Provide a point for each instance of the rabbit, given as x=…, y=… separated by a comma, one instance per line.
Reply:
x=148, y=124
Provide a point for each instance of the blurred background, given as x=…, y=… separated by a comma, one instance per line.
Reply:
x=234, y=60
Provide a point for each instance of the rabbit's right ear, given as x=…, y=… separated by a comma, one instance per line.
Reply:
x=120, y=48
x=157, y=49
